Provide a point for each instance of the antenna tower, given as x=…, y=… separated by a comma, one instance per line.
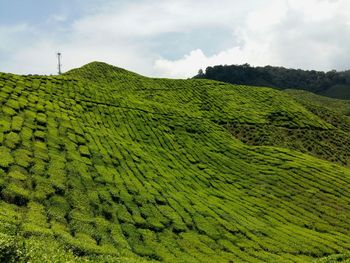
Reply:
x=59, y=62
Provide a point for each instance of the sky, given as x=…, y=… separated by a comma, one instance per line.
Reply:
x=173, y=38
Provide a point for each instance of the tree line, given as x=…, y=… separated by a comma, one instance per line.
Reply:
x=277, y=77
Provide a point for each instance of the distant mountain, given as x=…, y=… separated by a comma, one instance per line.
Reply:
x=104, y=165
x=332, y=84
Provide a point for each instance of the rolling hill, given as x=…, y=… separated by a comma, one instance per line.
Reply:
x=101, y=164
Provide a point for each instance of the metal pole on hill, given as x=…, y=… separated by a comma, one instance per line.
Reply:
x=59, y=63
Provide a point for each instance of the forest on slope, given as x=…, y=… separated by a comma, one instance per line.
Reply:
x=101, y=164
x=332, y=84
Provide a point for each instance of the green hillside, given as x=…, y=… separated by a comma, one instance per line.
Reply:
x=340, y=107
x=104, y=165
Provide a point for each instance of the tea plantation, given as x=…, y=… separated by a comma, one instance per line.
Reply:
x=103, y=165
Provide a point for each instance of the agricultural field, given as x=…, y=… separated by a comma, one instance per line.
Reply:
x=104, y=165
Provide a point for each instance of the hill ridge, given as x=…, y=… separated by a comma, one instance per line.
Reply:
x=96, y=70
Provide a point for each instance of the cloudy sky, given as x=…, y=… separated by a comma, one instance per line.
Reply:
x=173, y=38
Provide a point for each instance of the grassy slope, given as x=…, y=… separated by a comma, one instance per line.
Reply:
x=109, y=165
x=311, y=100
x=335, y=112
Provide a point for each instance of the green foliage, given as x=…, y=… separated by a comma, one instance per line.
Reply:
x=17, y=123
x=9, y=249
x=23, y=157
x=15, y=194
x=18, y=175
x=12, y=139
x=5, y=126
x=345, y=258
x=5, y=157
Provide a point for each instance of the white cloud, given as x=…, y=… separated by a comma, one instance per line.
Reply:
x=292, y=33
x=301, y=34
x=189, y=65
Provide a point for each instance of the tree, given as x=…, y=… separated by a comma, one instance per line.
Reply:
x=200, y=73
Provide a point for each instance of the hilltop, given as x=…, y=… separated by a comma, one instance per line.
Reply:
x=101, y=164
x=332, y=84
